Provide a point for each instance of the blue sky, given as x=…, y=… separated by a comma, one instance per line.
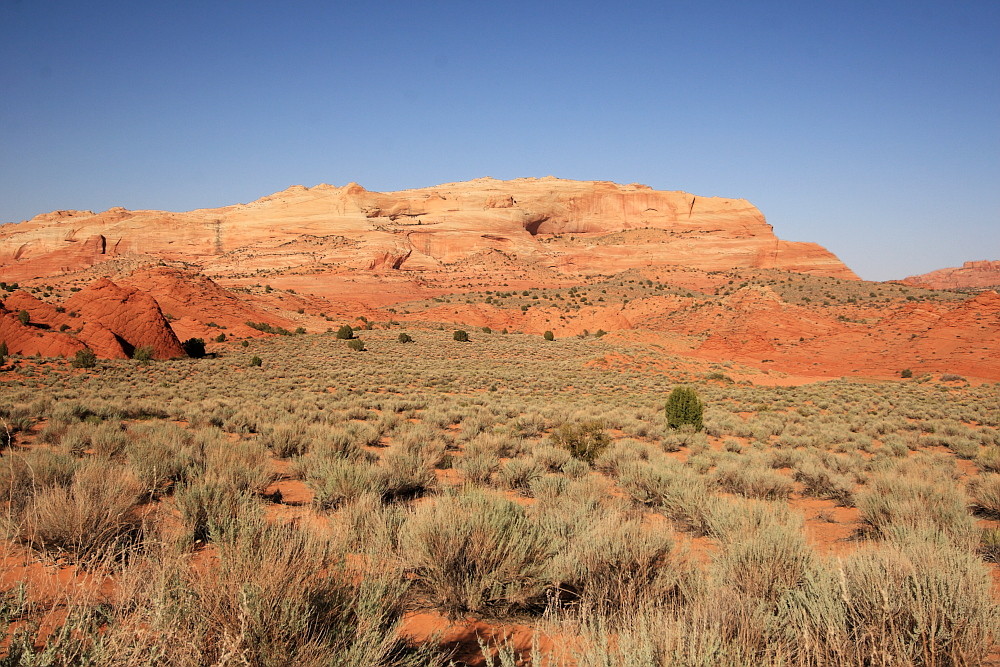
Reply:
x=871, y=128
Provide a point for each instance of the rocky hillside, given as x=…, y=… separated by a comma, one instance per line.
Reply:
x=569, y=227
x=971, y=275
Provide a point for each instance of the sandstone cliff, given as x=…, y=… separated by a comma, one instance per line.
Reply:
x=975, y=275
x=571, y=227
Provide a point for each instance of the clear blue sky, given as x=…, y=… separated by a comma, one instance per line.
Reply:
x=870, y=127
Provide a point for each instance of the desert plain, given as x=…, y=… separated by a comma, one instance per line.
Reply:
x=429, y=427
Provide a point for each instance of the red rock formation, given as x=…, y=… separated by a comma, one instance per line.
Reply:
x=576, y=227
x=199, y=307
x=131, y=316
x=976, y=275
x=34, y=338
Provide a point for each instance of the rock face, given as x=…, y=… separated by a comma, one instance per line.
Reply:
x=572, y=227
x=121, y=319
x=35, y=337
x=975, y=275
x=193, y=301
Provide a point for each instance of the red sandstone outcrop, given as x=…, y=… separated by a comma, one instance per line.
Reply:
x=35, y=337
x=130, y=315
x=199, y=307
x=574, y=227
x=975, y=275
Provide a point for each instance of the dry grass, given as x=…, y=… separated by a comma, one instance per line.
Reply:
x=169, y=463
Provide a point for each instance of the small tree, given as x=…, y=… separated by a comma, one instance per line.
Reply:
x=84, y=359
x=143, y=354
x=194, y=347
x=906, y=373
x=404, y=337
x=221, y=338
x=684, y=407
x=548, y=335
x=461, y=336
x=23, y=317
x=345, y=332
x=356, y=344
x=256, y=361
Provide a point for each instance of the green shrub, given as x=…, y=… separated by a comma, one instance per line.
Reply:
x=906, y=373
x=221, y=338
x=84, y=359
x=356, y=344
x=143, y=354
x=404, y=337
x=548, y=335
x=583, y=440
x=684, y=407
x=24, y=317
x=256, y=361
x=195, y=347
x=461, y=336
x=345, y=332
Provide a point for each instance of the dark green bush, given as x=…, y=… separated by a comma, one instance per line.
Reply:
x=346, y=332
x=461, y=336
x=84, y=359
x=906, y=373
x=405, y=338
x=256, y=361
x=684, y=407
x=548, y=335
x=356, y=344
x=23, y=317
x=194, y=347
x=221, y=338
x=143, y=354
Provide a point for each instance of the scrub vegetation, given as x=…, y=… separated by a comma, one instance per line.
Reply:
x=292, y=501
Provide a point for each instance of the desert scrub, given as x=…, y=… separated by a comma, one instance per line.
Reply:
x=518, y=474
x=550, y=458
x=26, y=474
x=892, y=503
x=409, y=472
x=209, y=508
x=677, y=492
x=985, y=491
x=277, y=595
x=765, y=562
x=94, y=516
x=856, y=613
x=989, y=459
x=478, y=465
x=335, y=481
x=475, y=551
x=821, y=482
x=243, y=466
x=751, y=480
x=156, y=462
x=583, y=440
x=613, y=564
